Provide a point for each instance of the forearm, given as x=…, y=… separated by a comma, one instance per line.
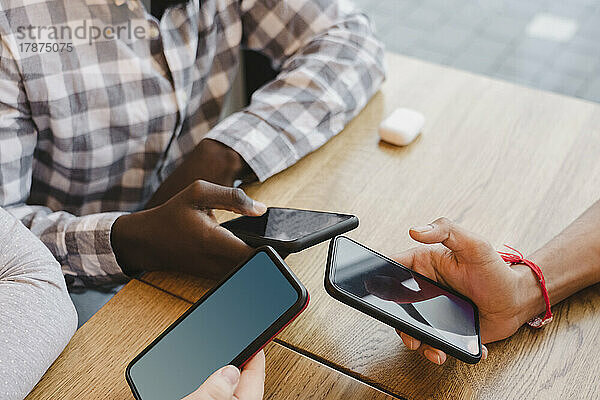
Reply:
x=330, y=64
x=570, y=262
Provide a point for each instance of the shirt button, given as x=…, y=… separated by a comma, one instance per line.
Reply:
x=154, y=32
x=184, y=97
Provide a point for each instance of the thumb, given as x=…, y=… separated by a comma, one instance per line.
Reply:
x=209, y=195
x=219, y=386
x=463, y=243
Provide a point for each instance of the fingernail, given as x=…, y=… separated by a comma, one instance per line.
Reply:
x=433, y=356
x=422, y=229
x=259, y=207
x=412, y=344
x=232, y=374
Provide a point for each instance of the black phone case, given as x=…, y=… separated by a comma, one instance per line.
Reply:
x=261, y=341
x=402, y=326
x=294, y=246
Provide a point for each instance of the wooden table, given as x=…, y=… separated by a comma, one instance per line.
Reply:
x=93, y=364
x=512, y=163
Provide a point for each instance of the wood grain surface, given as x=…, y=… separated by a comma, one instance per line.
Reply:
x=93, y=364
x=512, y=163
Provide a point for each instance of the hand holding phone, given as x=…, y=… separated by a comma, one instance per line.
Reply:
x=183, y=234
x=228, y=325
x=229, y=383
x=470, y=265
x=403, y=299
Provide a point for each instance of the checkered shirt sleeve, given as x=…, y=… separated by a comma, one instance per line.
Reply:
x=80, y=244
x=330, y=63
x=98, y=129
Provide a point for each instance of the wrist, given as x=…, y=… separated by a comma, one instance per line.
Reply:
x=210, y=161
x=530, y=300
x=128, y=241
x=218, y=163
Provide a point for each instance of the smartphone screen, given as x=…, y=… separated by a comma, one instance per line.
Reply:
x=216, y=331
x=404, y=295
x=285, y=224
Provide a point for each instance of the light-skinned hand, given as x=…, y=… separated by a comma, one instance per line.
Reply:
x=469, y=264
x=229, y=384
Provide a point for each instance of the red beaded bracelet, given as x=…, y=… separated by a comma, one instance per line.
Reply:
x=517, y=258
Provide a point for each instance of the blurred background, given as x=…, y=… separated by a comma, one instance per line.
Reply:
x=547, y=44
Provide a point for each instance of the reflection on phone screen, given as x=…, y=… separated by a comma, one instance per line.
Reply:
x=285, y=223
x=404, y=295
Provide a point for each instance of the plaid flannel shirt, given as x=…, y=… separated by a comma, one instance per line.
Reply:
x=89, y=132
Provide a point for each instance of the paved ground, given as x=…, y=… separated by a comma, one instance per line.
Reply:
x=547, y=44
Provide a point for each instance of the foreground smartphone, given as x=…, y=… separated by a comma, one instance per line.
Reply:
x=403, y=299
x=290, y=230
x=228, y=325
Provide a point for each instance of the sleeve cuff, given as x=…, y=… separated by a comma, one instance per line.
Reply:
x=266, y=150
x=89, y=250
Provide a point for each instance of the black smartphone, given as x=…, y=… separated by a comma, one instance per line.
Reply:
x=228, y=325
x=406, y=300
x=290, y=230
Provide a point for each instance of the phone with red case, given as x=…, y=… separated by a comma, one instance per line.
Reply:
x=228, y=325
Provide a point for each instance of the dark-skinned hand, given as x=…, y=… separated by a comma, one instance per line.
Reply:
x=183, y=234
